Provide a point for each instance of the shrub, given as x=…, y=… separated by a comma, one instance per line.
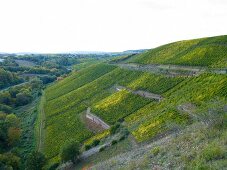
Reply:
x=155, y=151
x=114, y=128
x=212, y=152
x=54, y=166
x=102, y=149
x=70, y=152
x=87, y=147
x=35, y=161
x=95, y=142
x=9, y=161
x=113, y=142
x=122, y=138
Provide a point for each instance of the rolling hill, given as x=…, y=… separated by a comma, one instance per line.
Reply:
x=208, y=52
x=188, y=123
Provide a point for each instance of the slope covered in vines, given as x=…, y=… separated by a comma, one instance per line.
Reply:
x=68, y=98
x=207, y=52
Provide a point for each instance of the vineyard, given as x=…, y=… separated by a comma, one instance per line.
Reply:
x=146, y=119
x=155, y=118
x=92, y=86
x=75, y=81
x=118, y=106
x=207, y=52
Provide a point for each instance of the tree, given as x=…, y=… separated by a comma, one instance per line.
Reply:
x=13, y=135
x=70, y=152
x=36, y=83
x=9, y=161
x=35, y=161
x=5, y=98
x=23, y=99
x=12, y=120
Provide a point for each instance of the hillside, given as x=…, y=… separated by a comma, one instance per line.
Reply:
x=153, y=115
x=207, y=52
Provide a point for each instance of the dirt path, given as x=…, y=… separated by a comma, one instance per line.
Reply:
x=172, y=70
x=93, y=151
x=142, y=93
x=41, y=123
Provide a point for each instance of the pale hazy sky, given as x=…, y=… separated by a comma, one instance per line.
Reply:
x=106, y=25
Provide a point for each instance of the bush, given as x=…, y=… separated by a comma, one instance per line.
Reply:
x=54, y=166
x=155, y=151
x=114, y=128
x=35, y=161
x=87, y=147
x=125, y=132
x=212, y=152
x=113, y=142
x=122, y=138
x=102, y=149
x=9, y=161
x=70, y=152
x=95, y=142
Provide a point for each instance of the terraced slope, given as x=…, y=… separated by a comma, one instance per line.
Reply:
x=203, y=95
x=77, y=80
x=157, y=118
x=68, y=98
x=208, y=52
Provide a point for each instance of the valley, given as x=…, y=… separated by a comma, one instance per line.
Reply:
x=163, y=108
x=182, y=100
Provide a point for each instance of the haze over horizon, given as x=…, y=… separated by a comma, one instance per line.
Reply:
x=51, y=26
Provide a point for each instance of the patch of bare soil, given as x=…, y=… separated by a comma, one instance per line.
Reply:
x=91, y=125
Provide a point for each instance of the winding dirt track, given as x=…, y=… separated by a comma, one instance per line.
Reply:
x=172, y=70
x=141, y=93
x=41, y=123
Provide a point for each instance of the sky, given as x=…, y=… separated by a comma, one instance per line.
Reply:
x=106, y=25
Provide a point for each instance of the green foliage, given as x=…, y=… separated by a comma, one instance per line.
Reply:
x=35, y=161
x=101, y=149
x=98, y=136
x=23, y=99
x=7, y=78
x=212, y=152
x=9, y=161
x=87, y=147
x=10, y=131
x=54, y=166
x=154, y=119
x=118, y=105
x=155, y=151
x=95, y=142
x=77, y=80
x=12, y=120
x=114, y=128
x=113, y=142
x=70, y=152
x=88, y=87
x=210, y=52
